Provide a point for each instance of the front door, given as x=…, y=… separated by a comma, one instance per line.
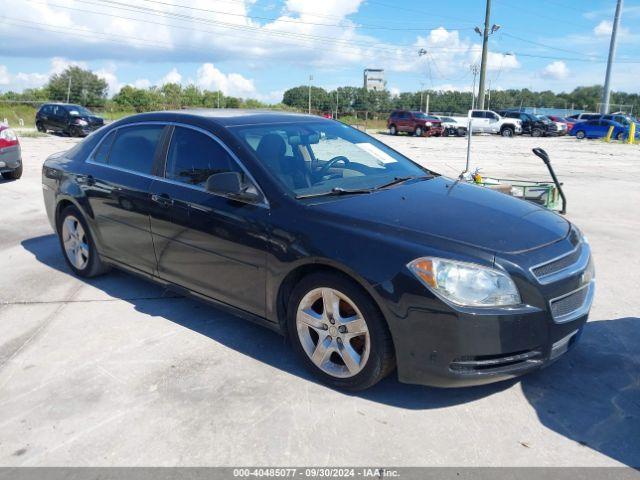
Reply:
x=210, y=244
x=118, y=190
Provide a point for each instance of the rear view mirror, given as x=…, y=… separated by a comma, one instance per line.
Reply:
x=232, y=184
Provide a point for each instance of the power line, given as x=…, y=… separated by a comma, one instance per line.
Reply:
x=285, y=20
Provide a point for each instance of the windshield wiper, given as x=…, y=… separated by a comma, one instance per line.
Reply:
x=336, y=191
x=398, y=180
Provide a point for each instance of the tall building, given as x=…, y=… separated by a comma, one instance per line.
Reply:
x=374, y=79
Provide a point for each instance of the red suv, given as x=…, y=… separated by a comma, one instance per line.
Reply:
x=414, y=123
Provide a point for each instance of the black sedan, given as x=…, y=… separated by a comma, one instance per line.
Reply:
x=365, y=260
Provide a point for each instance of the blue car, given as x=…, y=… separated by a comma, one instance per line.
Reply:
x=599, y=129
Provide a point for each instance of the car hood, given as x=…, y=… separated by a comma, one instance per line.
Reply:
x=453, y=211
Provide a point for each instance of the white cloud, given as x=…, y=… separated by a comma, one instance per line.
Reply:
x=557, y=70
x=172, y=77
x=5, y=79
x=234, y=84
x=108, y=74
x=142, y=83
x=21, y=80
x=603, y=29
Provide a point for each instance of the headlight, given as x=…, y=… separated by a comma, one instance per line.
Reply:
x=428, y=124
x=81, y=122
x=465, y=284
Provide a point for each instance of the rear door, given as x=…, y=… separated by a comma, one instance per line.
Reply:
x=403, y=121
x=210, y=244
x=118, y=189
x=478, y=120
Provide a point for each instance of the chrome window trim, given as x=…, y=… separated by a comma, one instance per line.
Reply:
x=576, y=267
x=578, y=312
x=263, y=203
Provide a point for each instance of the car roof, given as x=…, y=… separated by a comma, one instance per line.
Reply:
x=227, y=117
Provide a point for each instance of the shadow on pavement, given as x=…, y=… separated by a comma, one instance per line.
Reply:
x=591, y=396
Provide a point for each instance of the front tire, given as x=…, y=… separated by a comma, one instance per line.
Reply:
x=13, y=175
x=338, y=332
x=507, y=132
x=77, y=245
x=580, y=134
x=419, y=132
x=620, y=136
x=393, y=130
x=536, y=132
x=40, y=127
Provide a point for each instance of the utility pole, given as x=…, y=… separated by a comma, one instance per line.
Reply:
x=69, y=89
x=337, y=103
x=612, y=53
x=310, y=80
x=218, y=98
x=421, y=94
x=474, y=70
x=486, y=31
x=428, y=98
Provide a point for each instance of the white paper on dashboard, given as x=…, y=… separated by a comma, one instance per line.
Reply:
x=376, y=152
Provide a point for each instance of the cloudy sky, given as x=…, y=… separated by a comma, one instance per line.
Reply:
x=259, y=48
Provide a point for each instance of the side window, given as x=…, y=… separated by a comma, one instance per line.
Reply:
x=101, y=155
x=134, y=147
x=477, y=114
x=193, y=157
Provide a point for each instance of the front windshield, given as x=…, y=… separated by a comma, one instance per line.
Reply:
x=316, y=158
x=78, y=110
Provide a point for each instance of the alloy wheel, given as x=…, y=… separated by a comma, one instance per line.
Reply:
x=333, y=332
x=75, y=242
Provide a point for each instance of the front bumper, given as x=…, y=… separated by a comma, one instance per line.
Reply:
x=439, y=345
x=433, y=131
x=10, y=158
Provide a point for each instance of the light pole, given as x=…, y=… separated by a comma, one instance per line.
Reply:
x=606, y=95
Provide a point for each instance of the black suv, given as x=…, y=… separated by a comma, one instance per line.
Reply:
x=73, y=120
x=531, y=124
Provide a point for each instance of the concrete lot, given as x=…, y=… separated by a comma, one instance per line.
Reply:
x=115, y=372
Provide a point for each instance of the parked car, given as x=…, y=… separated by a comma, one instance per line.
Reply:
x=488, y=121
x=451, y=127
x=414, y=123
x=568, y=122
x=599, y=129
x=73, y=120
x=560, y=127
x=326, y=235
x=10, y=154
x=584, y=116
x=531, y=125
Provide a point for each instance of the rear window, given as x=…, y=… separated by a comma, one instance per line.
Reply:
x=134, y=147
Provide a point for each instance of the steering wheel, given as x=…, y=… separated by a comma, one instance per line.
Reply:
x=322, y=171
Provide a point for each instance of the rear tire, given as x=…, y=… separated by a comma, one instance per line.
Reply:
x=393, y=130
x=77, y=244
x=13, y=175
x=620, y=136
x=340, y=352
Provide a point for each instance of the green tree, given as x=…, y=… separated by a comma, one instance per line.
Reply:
x=84, y=87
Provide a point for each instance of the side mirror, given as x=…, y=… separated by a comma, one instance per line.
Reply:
x=231, y=184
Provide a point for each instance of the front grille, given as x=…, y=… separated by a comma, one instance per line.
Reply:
x=495, y=363
x=557, y=265
x=570, y=303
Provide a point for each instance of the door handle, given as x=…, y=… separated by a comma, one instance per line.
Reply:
x=162, y=199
